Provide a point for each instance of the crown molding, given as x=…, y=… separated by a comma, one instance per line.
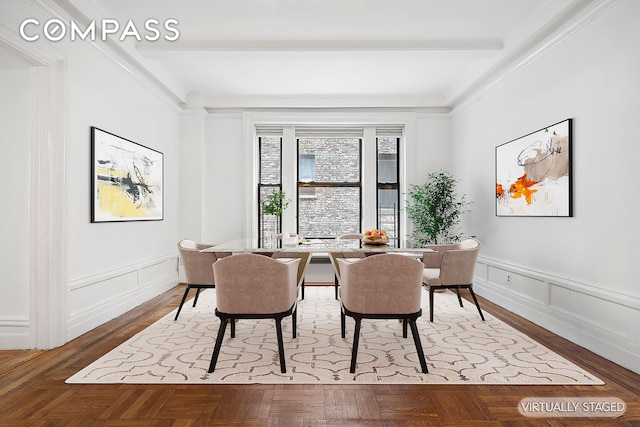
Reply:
x=321, y=45
x=570, y=21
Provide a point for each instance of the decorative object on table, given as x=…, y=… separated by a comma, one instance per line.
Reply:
x=126, y=179
x=375, y=237
x=272, y=208
x=533, y=173
x=435, y=210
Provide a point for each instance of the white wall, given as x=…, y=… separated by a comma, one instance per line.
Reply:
x=228, y=172
x=112, y=267
x=14, y=215
x=109, y=267
x=575, y=276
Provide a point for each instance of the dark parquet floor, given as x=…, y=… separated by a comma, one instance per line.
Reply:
x=33, y=391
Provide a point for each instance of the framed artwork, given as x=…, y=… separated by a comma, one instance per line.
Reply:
x=127, y=179
x=533, y=173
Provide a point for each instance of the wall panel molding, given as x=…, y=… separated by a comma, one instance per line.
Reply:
x=96, y=299
x=591, y=316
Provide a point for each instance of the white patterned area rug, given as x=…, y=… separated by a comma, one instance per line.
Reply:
x=459, y=347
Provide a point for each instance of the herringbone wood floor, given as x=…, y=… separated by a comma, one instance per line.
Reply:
x=33, y=391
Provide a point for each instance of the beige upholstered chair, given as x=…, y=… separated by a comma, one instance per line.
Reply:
x=197, y=268
x=334, y=256
x=304, y=257
x=252, y=286
x=451, y=267
x=385, y=286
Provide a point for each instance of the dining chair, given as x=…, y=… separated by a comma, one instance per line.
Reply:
x=451, y=266
x=252, y=286
x=333, y=257
x=385, y=286
x=304, y=257
x=197, y=268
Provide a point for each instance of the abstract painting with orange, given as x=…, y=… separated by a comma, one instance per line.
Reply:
x=533, y=173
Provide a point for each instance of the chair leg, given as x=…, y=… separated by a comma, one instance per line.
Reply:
x=184, y=298
x=302, y=286
x=459, y=297
x=356, y=339
x=404, y=328
x=343, y=329
x=216, y=348
x=473, y=295
x=294, y=321
x=430, y=304
x=195, y=300
x=283, y=367
x=336, y=286
x=233, y=327
x=416, y=340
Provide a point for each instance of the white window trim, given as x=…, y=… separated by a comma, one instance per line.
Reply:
x=289, y=120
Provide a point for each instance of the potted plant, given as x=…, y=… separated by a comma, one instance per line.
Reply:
x=435, y=210
x=272, y=207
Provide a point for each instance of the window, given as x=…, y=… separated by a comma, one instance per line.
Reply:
x=388, y=202
x=339, y=179
x=270, y=149
x=329, y=201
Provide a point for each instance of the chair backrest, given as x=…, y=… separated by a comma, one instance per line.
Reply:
x=434, y=259
x=458, y=265
x=304, y=257
x=381, y=284
x=197, y=265
x=333, y=256
x=255, y=284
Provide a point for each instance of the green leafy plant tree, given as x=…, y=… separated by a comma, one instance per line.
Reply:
x=275, y=203
x=435, y=210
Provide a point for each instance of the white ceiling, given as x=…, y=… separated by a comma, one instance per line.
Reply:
x=337, y=53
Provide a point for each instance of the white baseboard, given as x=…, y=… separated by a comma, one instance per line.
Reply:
x=97, y=299
x=15, y=333
x=595, y=318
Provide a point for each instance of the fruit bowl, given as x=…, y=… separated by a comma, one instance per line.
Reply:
x=375, y=240
x=375, y=237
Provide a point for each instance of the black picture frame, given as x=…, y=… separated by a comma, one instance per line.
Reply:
x=127, y=179
x=534, y=173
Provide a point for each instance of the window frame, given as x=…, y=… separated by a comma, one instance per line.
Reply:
x=328, y=184
x=389, y=186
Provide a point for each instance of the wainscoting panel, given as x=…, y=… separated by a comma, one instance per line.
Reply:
x=15, y=333
x=97, y=299
x=598, y=319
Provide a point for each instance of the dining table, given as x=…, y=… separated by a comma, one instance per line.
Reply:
x=315, y=248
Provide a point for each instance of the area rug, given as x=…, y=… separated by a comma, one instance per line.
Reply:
x=460, y=349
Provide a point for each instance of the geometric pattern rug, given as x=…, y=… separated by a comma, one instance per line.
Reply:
x=459, y=347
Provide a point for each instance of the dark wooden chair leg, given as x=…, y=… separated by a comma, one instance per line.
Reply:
x=216, y=348
x=404, y=328
x=475, y=300
x=416, y=340
x=356, y=339
x=343, y=329
x=431, y=303
x=302, y=286
x=184, y=298
x=294, y=322
x=336, y=285
x=195, y=300
x=459, y=297
x=283, y=367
